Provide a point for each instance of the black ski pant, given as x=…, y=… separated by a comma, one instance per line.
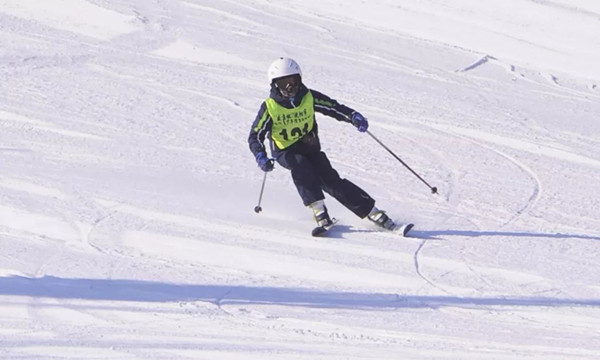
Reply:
x=312, y=174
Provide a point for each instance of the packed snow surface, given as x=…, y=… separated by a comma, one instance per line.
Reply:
x=127, y=190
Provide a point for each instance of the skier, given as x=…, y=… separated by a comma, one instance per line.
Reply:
x=287, y=117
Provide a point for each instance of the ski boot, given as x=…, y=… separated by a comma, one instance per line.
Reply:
x=321, y=216
x=381, y=219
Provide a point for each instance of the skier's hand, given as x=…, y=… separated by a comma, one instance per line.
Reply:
x=264, y=163
x=359, y=121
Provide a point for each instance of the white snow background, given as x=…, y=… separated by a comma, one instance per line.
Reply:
x=127, y=190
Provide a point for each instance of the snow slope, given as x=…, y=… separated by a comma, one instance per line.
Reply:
x=127, y=189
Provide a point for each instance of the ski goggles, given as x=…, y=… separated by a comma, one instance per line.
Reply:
x=288, y=85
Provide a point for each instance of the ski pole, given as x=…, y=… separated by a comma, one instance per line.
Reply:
x=257, y=208
x=432, y=188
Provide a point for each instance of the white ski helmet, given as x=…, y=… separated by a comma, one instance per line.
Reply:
x=283, y=67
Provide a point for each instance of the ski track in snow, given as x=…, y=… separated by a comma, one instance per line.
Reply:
x=547, y=80
x=537, y=186
x=126, y=186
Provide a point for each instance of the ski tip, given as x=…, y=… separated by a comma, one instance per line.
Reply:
x=318, y=231
x=405, y=228
x=322, y=230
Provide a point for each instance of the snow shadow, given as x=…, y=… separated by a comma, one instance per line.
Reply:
x=439, y=234
x=148, y=291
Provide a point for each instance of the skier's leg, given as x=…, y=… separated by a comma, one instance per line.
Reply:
x=304, y=176
x=343, y=190
x=349, y=194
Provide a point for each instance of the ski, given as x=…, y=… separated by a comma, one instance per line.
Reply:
x=402, y=229
x=322, y=230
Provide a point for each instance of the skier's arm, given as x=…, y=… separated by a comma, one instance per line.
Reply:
x=330, y=107
x=259, y=130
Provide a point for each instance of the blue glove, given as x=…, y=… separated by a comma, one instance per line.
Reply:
x=359, y=121
x=264, y=163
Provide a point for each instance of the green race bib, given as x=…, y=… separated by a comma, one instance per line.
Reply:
x=289, y=125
